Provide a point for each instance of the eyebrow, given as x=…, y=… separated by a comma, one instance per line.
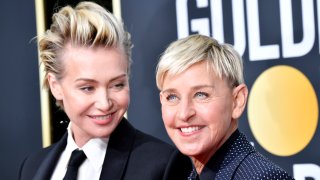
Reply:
x=168, y=90
x=193, y=88
x=202, y=86
x=92, y=80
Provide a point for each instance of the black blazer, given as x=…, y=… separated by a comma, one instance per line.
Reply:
x=238, y=160
x=131, y=155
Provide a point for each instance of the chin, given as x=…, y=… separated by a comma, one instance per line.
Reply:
x=189, y=151
x=103, y=134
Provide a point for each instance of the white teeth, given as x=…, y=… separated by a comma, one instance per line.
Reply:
x=190, y=129
x=101, y=117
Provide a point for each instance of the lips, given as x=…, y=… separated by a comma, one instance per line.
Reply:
x=190, y=129
x=104, y=117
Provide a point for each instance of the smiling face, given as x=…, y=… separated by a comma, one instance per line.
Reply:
x=200, y=110
x=94, y=90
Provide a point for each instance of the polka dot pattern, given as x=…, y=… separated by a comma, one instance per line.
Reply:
x=242, y=161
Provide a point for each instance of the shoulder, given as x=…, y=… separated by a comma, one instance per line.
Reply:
x=127, y=136
x=242, y=161
x=148, y=157
x=256, y=166
x=152, y=147
x=32, y=162
x=35, y=158
x=152, y=158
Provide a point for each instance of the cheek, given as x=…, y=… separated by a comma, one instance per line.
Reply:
x=126, y=102
x=74, y=104
x=218, y=118
x=167, y=116
x=75, y=100
x=122, y=99
x=215, y=110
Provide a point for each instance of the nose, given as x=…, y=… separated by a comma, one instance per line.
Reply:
x=103, y=101
x=186, y=110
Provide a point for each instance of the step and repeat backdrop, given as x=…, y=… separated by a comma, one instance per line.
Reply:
x=279, y=42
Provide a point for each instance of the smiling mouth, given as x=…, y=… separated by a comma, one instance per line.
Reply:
x=190, y=129
x=101, y=117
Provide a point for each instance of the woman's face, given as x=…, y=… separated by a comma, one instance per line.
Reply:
x=94, y=90
x=198, y=111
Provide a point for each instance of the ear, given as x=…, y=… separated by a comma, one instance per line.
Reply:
x=55, y=86
x=240, y=94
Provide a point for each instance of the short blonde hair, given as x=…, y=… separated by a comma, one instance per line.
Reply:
x=183, y=53
x=89, y=25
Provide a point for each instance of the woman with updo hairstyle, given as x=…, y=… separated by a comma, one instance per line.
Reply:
x=86, y=55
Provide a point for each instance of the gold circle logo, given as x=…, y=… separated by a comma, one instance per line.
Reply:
x=283, y=110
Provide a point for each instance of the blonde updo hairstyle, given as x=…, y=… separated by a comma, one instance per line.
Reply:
x=185, y=52
x=86, y=25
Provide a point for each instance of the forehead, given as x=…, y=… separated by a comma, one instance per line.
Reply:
x=175, y=67
x=196, y=74
x=97, y=61
x=91, y=52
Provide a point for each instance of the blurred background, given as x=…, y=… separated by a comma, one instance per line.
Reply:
x=278, y=40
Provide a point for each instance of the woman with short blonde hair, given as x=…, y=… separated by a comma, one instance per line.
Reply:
x=202, y=98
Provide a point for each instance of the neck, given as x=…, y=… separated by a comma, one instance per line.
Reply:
x=198, y=165
x=199, y=161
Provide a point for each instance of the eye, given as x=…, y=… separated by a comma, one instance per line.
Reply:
x=117, y=86
x=201, y=95
x=171, y=97
x=87, y=88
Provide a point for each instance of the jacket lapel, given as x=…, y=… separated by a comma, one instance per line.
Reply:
x=242, y=148
x=118, y=151
x=48, y=164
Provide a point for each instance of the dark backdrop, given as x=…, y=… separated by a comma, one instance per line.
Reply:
x=20, y=130
x=153, y=27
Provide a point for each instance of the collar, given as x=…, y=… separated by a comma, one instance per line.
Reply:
x=213, y=166
x=94, y=149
